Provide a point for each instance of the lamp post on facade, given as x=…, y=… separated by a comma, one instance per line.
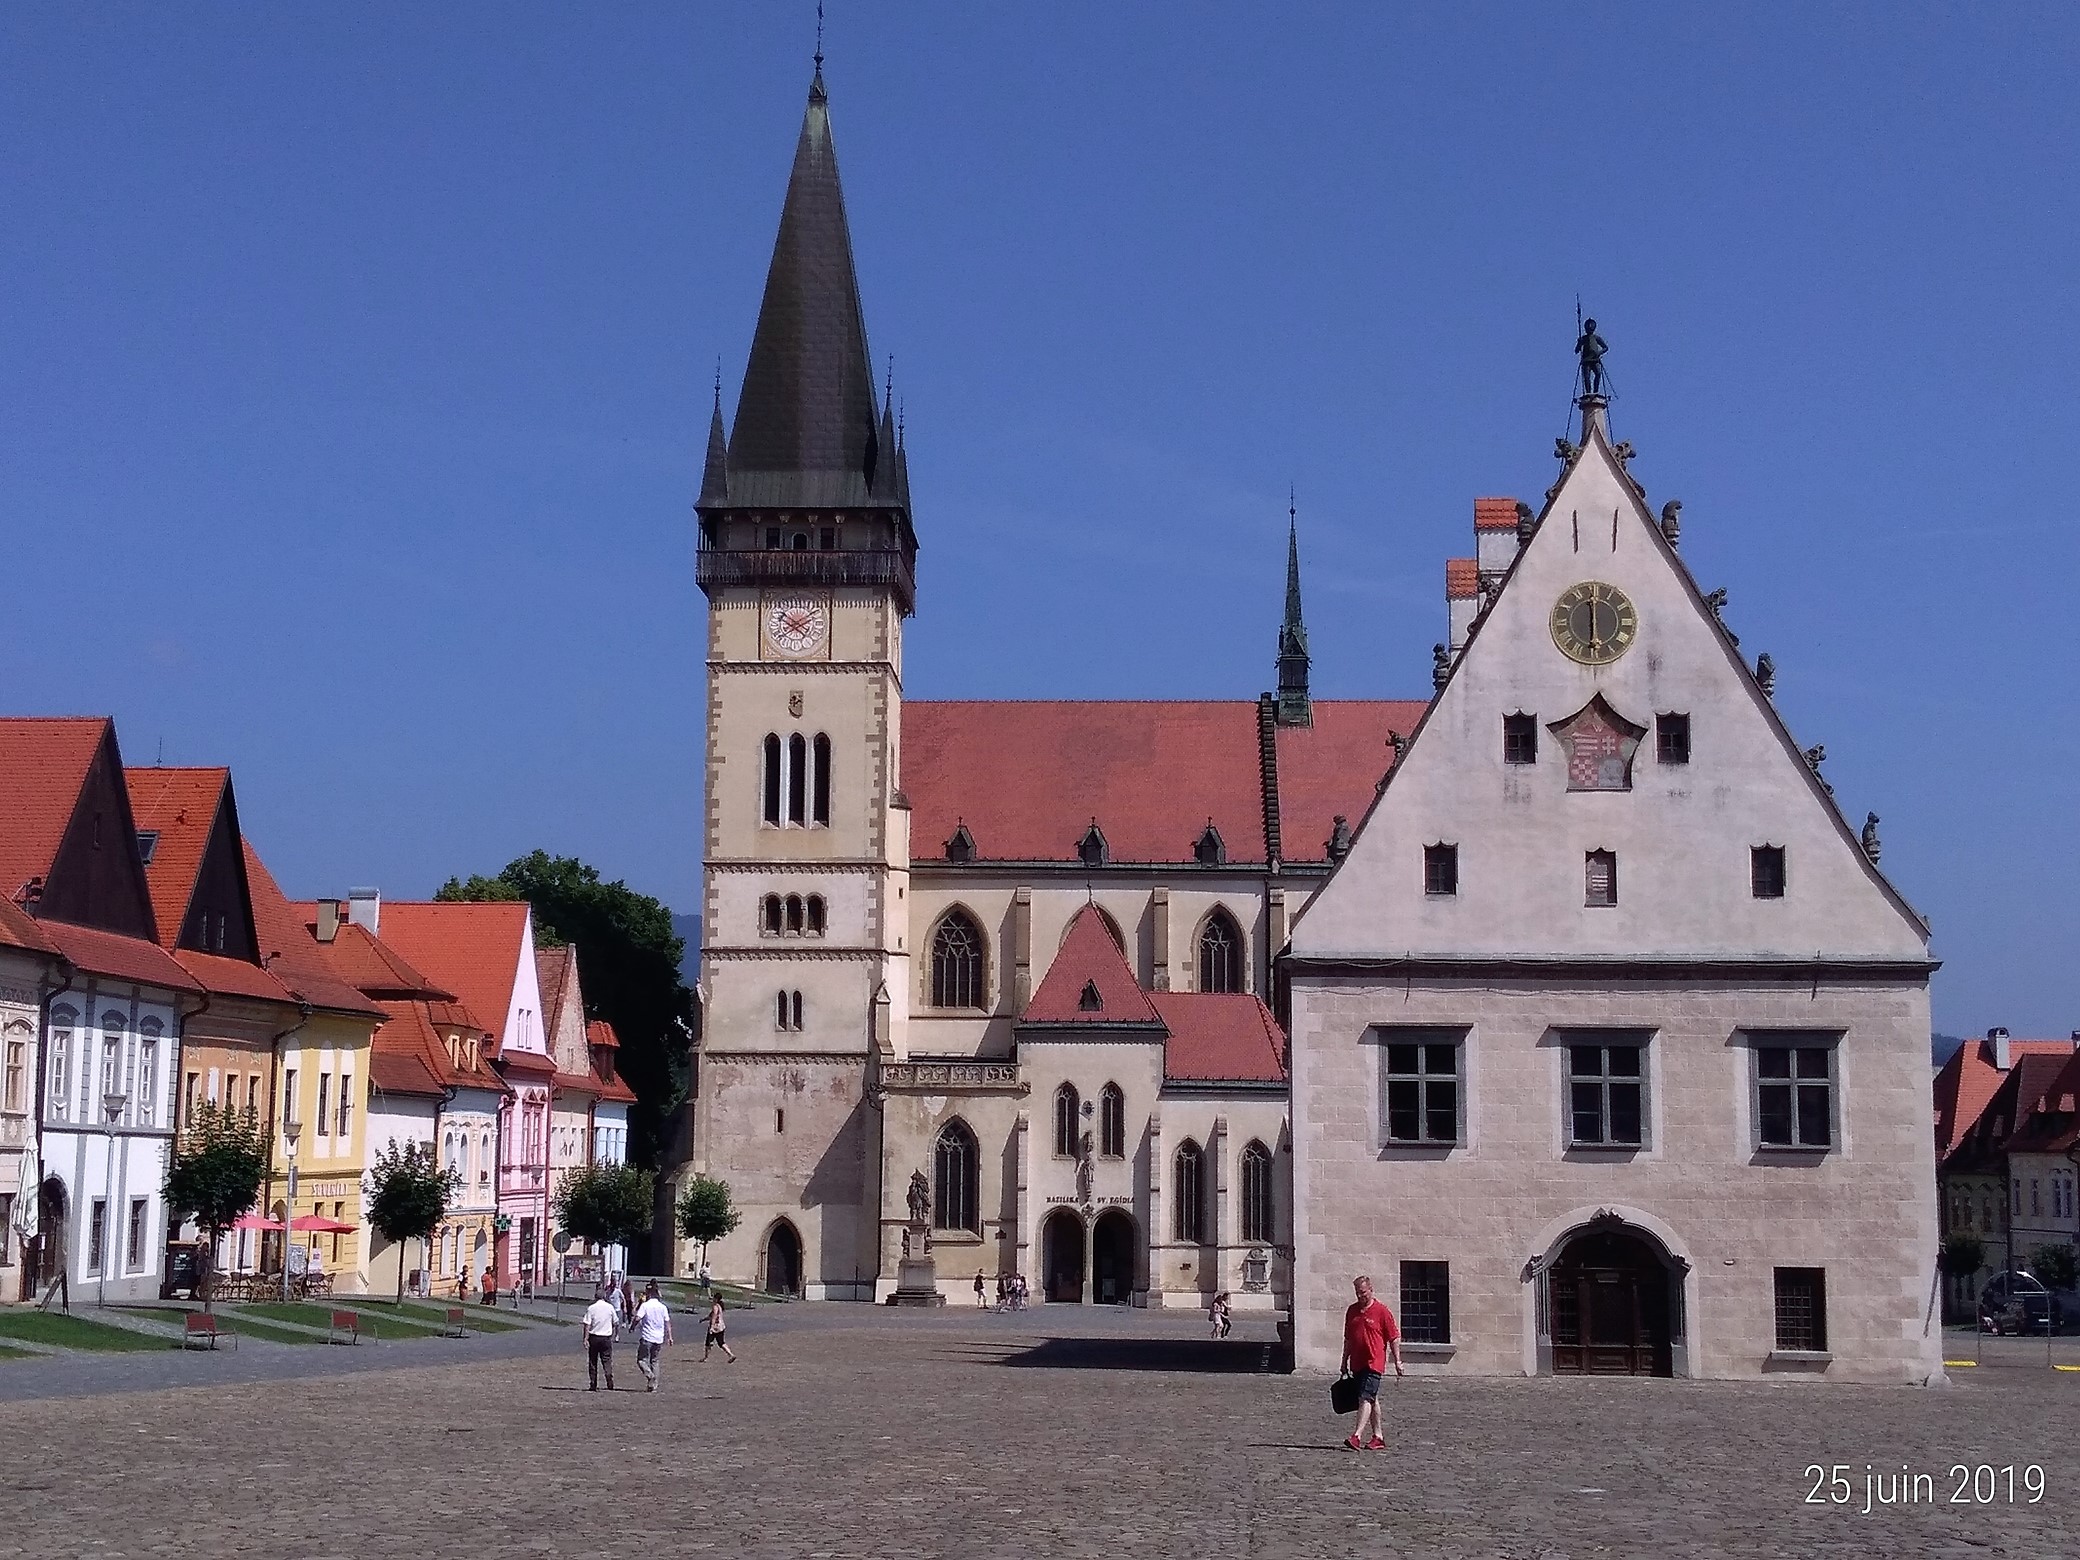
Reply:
x=112, y=1109
x=291, y=1131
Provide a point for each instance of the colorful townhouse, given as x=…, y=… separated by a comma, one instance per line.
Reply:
x=108, y=1004
x=485, y=953
x=588, y=1107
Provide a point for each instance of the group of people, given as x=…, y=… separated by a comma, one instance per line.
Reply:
x=1221, y=1314
x=615, y=1307
x=1011, y=1292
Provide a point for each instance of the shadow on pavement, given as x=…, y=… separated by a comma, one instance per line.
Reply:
x=1204, y=1356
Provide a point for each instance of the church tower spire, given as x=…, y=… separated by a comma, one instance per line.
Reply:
x=1294, y=706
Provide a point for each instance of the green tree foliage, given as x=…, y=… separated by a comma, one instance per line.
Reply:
x=628, y=960
x=408, y=1195
x=214, y=1173
x=1963, y=1254
x=608, y=1205
x=705, y=1212
x=2053, y=1266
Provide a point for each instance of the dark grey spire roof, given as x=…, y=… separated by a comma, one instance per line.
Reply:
x=715, y=475
x=805, y=434
x=1294, y=706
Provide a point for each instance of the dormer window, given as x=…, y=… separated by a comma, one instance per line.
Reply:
x=147, y=845
x=961, y=847
x=1092, y=850
x=1212, y=850
x=1089, y=1001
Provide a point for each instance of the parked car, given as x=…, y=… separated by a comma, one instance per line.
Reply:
x=2018, y=1303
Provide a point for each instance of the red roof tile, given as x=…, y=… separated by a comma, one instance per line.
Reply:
x=231, y=977
x=1219, y=1037
x=18, y=929
x=1027, y=777
x=373, y=966
x=1462, y=579
x=1966, y=1084
x=471, y=948
x=1335, y=766
x=598, y=1032
x=1494, y=514
x=553, y=969
x=45, y=761
x=409, y=1057
x=1089, y=957
x=289, y=952
x=181, y=805
x=606, y=1071
x=2044, y=1103
x=114, y=955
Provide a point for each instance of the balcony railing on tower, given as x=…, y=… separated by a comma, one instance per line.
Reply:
x=873, y=568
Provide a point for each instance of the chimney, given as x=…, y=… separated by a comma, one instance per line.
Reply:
x=365, y=909
x=1495, y=539
x=1997, y=1041
x=328, y=920
x=1462, y=600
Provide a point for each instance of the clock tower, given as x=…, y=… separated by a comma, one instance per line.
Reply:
x=807, y=558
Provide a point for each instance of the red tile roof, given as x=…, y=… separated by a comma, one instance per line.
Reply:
x=471, y=948
x=1220, y=1037
x=1494, y=514
x=598, y=1032
x=604, y=1044
x=1462, y=579
x=232, y=977
x=181, y=804
x=289, y=952
x=409, y=1057
x=372, y=965
x=121, y=958
x=1966, y=1084
x=2044, y=1104
x=45, y=761
x=1027, y=777
x=18, y=929
x=1089, y=956
x=553, y=969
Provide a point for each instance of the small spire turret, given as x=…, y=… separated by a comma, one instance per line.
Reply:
x=1294, y=706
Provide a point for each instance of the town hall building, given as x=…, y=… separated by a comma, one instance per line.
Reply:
x=1045, y=955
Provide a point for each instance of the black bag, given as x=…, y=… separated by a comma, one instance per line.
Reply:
x=1343, y=1395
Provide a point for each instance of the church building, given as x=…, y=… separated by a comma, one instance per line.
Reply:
x=1044, y=953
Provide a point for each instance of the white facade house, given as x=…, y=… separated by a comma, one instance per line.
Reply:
x=1610, y=1040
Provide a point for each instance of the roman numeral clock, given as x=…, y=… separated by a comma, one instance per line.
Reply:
x=1594, y=623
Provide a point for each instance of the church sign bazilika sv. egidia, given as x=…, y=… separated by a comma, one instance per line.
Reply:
x=1609, y=1038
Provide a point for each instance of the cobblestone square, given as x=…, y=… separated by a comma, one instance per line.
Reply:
x=845, y=1431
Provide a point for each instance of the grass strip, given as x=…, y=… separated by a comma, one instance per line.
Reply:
x=382, y=1321
x=15, y=1354
x=74, y=1332
x=476, y=1318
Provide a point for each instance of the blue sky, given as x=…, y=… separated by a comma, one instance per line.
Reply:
x=355, y=362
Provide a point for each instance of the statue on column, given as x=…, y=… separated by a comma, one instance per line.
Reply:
x=1590, y=348
x=920, y=1199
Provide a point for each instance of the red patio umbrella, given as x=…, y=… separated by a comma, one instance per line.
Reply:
x=318, y=1224
x=253, y=1221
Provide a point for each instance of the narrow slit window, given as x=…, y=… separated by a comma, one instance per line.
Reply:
x=797, y=779
x=820, y=772
x=772, y=778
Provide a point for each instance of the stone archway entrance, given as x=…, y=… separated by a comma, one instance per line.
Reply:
x=1612, y=1304
x=783, y=1260
x=1061, y=1257
x=1112, y=1257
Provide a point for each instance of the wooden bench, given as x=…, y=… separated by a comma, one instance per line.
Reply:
x=202, y=1325
x=458, y=1323
x=346, y=1327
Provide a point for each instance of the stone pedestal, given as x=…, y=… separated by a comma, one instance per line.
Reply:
x=917, y=1282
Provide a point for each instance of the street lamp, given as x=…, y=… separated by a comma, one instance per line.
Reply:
x=291, y=1131
x=112, y=1109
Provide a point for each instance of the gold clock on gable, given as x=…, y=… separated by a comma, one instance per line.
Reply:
x=797, y=626
x=1594, y=623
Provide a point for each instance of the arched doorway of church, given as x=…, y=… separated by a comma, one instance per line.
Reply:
x=1112, y=1257
x=783, y=1261
x=1612, y=1304
x=1061, y=1256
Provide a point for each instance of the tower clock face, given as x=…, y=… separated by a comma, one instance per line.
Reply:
x=797, y=625
x=1594, y=623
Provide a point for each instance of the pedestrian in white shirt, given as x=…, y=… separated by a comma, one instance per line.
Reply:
x=599, y=1326
x=653, y=1332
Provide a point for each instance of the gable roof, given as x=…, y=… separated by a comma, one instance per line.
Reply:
x=180, y=806
x=1027, y=777
x=372, y=965
x=18, y=929
x=1089, y=956
x=45, y=760
x=1219, y=1037
x=289, y=953
x=471, y=947
x=408, y=1055
x=118, y=957
x=2004, y=1117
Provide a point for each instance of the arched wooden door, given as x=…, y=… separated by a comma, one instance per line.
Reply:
x=1061, y=1240
x=783, y=1260
x=1113, y=1245
x=1611, y=1311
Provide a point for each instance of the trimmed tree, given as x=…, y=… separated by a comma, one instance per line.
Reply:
x=1962, y=1255
x=408, y=1195
x=706, y=1213
x=2053, y=1266
x=214, y=1173
x=606, y=1205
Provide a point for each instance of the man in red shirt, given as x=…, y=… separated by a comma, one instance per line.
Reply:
x=1370, y=1338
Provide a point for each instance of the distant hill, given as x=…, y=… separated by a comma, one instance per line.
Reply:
x=1943, y=1047
x=689, y=927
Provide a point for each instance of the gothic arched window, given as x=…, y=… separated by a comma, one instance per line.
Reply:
x=797, y=779
x=820, y=780
x=1258, y=1219
x=1112, y=1122
x=956, y=1172
x=1188, y=1195
x=794, y=912
x=769, y=915
x=770, y=777
x=1220, y=953
x=816, y=915
x=1066, y=1109
x=957, y=963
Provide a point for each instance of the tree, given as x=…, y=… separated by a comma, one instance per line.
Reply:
x=1962, y=1254
x=629, y=961
x=705, y=1212
x=607, y=1205
x=408, y=1196
x=2053, y=1266
x=214, y=1173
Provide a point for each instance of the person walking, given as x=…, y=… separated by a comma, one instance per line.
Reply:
x=980, y=1303
x=653, y=1331
x=598, y=1327
x=1370, y=1339
x=716, y=1324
